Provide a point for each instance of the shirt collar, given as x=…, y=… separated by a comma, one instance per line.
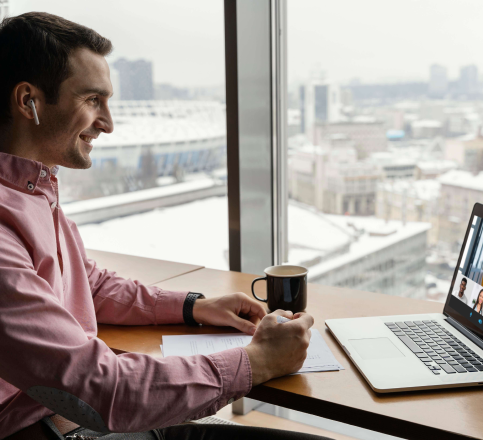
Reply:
x=24, y=173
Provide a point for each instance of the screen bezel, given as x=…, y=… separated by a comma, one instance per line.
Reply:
x=448, y=311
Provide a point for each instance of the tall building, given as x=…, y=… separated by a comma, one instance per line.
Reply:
x=320, y=102
x=3, y=9
x=459, y=192
x=367, y=134
x=135, y=79
x=468, y=80
x=438, y=81
x=467, y=150
x=333, y=181
x=411, y=201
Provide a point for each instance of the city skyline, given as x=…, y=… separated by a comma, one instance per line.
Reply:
x=380, y=41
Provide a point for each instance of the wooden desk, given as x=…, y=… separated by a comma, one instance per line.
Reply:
x=147, y=270
x=344, y=396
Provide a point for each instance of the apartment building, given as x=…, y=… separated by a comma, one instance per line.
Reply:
x=333, y=180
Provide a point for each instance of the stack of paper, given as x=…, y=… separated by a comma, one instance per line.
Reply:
x=319, y=356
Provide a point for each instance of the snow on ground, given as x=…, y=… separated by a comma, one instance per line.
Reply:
x=197, y=233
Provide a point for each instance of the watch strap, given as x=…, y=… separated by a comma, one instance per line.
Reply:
x=188, y=304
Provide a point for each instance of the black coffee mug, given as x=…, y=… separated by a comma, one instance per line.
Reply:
x=286, y=288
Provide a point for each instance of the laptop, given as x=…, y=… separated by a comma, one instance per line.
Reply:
x=425, y=351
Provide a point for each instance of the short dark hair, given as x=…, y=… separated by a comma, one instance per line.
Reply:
x=35, y=47
x=465, y=280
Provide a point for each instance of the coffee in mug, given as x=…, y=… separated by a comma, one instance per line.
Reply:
x=286, y=288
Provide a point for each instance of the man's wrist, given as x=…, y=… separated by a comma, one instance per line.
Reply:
x=188, y=304
x=260, y=373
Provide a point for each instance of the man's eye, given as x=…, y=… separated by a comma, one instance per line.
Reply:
x=95, y=99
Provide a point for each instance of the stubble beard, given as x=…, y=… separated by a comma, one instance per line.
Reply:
x=73, y=158
x=64, y=148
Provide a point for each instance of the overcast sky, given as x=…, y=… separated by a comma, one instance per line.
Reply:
x=373, y=40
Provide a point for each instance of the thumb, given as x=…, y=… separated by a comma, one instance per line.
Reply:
x=243, y=325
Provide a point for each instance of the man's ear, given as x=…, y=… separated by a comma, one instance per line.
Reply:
x=22, y=93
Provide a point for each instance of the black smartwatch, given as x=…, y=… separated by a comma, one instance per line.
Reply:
x=188, y=304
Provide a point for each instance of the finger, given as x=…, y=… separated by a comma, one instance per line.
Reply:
x=305, y=319
x=255, y=319
x=251, y=307
x=243, y=325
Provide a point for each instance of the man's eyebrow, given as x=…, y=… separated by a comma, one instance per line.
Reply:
x=95, y=90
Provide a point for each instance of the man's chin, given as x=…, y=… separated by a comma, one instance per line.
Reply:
x=77, y=161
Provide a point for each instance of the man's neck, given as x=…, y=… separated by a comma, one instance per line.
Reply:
x=20, y=145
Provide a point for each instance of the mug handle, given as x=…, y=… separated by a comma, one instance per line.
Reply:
x=253, y=291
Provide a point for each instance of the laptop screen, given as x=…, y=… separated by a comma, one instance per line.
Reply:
x=465, y=299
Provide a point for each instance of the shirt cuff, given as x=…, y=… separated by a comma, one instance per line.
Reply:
x=168, y=308
x=236, y=373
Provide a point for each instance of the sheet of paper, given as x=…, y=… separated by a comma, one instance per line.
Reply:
x=319, y=356
x=188, y=345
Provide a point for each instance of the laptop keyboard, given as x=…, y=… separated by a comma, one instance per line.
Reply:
x=436, y=347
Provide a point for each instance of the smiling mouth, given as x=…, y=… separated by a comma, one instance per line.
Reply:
x=87, y=139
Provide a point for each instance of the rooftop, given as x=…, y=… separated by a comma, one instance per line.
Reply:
x=158, y=122
x=426, y=123
x=427, y=190
x=177, y=237
x=366, y=242
x=436, y=165
x=463, y=179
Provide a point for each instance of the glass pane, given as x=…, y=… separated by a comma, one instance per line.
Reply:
x=157, y=185
x=385, y=142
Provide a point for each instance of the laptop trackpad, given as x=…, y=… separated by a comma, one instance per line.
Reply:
x=376, y=348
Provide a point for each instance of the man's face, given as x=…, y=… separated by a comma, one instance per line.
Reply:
x=82, y=113
x=462, y=288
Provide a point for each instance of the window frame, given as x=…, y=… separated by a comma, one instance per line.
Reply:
x=256, y=114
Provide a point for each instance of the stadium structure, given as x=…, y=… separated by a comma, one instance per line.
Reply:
x=180, y=136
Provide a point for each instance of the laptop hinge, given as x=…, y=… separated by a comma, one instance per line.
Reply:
x=468, y=333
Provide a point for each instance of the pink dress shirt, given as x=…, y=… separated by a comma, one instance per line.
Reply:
x=51, y=298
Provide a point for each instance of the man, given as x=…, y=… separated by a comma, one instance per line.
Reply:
x=52, y=295
x=461, y=292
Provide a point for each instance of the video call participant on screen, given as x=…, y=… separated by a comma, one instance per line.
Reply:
x=478, y=307
x=461, y=293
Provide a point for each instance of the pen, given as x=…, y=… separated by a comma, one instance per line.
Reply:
x=282, y=319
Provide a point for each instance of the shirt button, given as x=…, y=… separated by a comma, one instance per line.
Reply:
x=53, y=205
x=30, y=186
x=43, y=173
x=231, y=401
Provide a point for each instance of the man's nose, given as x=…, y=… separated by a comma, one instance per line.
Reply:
x=104, y=122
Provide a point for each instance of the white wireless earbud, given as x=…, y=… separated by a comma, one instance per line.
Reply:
x=31, y=104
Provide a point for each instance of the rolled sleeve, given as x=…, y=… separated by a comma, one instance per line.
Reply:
x=235, y=371
x=168, y=308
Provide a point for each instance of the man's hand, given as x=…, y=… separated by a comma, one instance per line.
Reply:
x=279, y=349
x=234, y=310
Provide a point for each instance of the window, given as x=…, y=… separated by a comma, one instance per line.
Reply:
x=398, y=146
x=169, y=140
